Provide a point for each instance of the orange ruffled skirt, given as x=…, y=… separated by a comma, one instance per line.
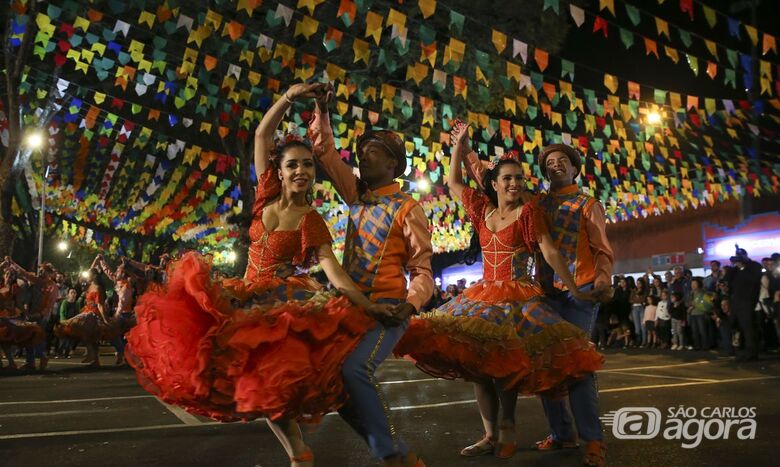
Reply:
x=240, y=350
x=500, y=330
x=19, y=333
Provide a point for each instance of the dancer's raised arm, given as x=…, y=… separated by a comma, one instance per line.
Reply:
x=460, y=133
x=264, y=134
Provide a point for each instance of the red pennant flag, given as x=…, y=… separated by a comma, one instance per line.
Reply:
x=686, y=6
x=600, y=24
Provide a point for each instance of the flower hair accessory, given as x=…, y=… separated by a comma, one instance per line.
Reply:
x=509, y=155
x=282, y=139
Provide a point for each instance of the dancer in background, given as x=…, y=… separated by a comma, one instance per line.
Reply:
x=273, y=343
x=498, y=333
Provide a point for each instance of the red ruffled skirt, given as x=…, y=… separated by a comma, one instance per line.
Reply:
x=500, y=330
x=19, y=333
x=239, y=350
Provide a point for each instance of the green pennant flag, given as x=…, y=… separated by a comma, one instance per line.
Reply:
x=427, y=34
x=483, y=60
x=685, y=36
x=537, y=79
x=660, y=96
x=554, y=4
x=633, y=14
x=730, y=76
x=693, y=62
x=567, y=68
x=627, y=37
x=531, y=112
x=633, y=108
x=456, y=22
x=732, y=56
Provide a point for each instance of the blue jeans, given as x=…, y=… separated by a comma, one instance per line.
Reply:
x=583, y=394
x=700, y=331
x=366, y=410
x=640, y=332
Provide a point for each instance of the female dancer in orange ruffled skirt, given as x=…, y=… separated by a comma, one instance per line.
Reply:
x=270, y=344
x=498, y=333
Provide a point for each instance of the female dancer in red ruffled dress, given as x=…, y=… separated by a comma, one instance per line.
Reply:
x=14, y=330
x=91, y=325
x=498, y=333
x=273, y=343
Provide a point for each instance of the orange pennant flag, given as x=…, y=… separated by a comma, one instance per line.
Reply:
x=651, y=47
x=712, y=69
x=769, y=44
x=541, y=58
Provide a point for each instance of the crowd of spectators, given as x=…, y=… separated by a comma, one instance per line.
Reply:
x=735, y=307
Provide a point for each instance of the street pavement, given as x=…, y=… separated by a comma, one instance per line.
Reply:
x=73, y=416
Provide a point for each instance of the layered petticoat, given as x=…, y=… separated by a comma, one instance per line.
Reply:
x=239, y=350
x=18, y=332
x=88, y=327
x=501, y=330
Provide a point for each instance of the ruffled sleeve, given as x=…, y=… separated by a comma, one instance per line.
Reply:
x=314, y=233
x=268, y=187
x=533, y=224
x=476, y=203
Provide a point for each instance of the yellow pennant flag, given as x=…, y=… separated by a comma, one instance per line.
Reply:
x=610, y=82
x=752, y=32
x=427, y=7
x=361, y=50
x=662, y=27
x=499, y=41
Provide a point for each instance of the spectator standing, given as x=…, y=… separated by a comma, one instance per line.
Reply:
x=724, y=321
x=744, y=284
x=638, y=299
x=710, y=282
x=663, y=320
x=649, y=321
x=678, y=311
x=700, y=309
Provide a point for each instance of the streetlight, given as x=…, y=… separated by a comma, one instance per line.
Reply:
x=34, y=141
x=653, y=118
x=62, y=245
x=231, y=256
x=423, y=185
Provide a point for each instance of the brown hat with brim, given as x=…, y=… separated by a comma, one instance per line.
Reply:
x=574, y=156
x=390, y=142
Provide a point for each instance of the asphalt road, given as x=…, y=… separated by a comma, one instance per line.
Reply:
x=71, y=416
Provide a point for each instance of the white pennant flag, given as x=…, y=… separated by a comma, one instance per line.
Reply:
x=578, y=14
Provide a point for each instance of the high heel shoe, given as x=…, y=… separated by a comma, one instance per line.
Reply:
x=306, y=457
x=484, y=446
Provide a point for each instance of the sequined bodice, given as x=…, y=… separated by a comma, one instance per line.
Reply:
x=505, y=256
x=91, y=303
x=271, y=253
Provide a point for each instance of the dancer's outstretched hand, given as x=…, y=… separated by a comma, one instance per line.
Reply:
x=402, y=312
x=324, y=96
x=305, y=91
x=381, y=312
x=460, y=133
